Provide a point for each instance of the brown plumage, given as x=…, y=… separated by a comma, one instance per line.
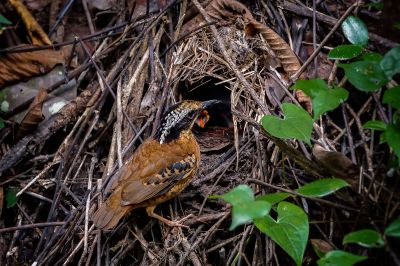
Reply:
x=159, y=169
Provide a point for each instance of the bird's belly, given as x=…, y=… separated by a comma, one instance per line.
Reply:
x=172, y=193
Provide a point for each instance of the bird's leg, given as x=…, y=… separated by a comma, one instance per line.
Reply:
x=150, y=212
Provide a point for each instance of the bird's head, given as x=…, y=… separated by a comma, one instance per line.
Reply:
x=181, y=117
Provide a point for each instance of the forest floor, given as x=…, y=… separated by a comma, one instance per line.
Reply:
x=83, y=83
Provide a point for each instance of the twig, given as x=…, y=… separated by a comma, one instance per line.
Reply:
x=30, y=226
x=322, y=44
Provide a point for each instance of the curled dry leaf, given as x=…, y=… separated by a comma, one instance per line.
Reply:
x=17, y=66
x=321, y=245
x=337, y=164
x=223, y=11
x=35, y=31
x=34, y=115
x=39, y=5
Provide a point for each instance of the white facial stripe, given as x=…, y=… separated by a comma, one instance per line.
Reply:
x=171, y=120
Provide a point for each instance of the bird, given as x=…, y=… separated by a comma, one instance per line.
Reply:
x=160, y=168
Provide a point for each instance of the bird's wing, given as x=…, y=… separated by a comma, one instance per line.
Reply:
x=138, y=190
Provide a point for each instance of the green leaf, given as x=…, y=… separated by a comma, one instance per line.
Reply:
x=392, y=97
x=1, y=122
x=378, y=5
x=273, y=198
x=392, y=136
x=372, y=56
x=355, y=30
x=365, y=75
x=323, y=98
x=297, y=123
x=346, y=51
x=4, y=20
x=375, y=125
x=322, y=187
x=244, y=207
x=289, y=231
x=340, y=258
x=11, y=197
x=393, y=229
x=367, y=238
x=391, y=62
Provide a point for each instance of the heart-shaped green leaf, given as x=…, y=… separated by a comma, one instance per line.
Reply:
x=339, y=258
x=289, y=231
x=323, y=98
x=244, y=207
x=297, y=123
x=273, y=198
x=372, y=56
x=344, y=52
x=367, y=238
x=392, y=136
x=322, y=187
x=392, y=97
x=365, y=75
x=355, y=30
x=375, y=125
x=393, y=229
x=390, y=63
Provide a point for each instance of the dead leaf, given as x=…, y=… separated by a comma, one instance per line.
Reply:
x=17, y=66
x=37, y=5
x=321, y=245
x=101, y=4
x=337, y=164
x=35, y=31
x=34, y=115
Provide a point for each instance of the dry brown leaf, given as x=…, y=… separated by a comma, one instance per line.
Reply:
x=35, y=5
x=321, y=245
x=17, y=66
x=34, y=115
x=337, y=164
x=35, y=31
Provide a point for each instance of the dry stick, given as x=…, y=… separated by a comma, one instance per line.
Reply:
x=241, y=253
x=314, y=34
x=326, y=202
x=349, y=135
x=88, y=16
x=228, y=59
x=224, y=243
x=77, y=248
x=322, y=44
x=87, y=208
x=30, y=226
x=364, y=138
x=56, y=45
x=104, y=80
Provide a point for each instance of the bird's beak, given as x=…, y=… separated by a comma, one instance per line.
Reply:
x=210, y=103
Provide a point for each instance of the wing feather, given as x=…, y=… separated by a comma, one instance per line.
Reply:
x=139, y=190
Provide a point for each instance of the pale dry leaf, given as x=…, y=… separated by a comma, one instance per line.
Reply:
x=337, y=164
x=34, y=115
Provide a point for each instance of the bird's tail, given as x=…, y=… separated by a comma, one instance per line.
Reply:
x=109, y=214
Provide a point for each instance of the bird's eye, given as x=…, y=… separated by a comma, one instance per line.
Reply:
x=192, y=114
